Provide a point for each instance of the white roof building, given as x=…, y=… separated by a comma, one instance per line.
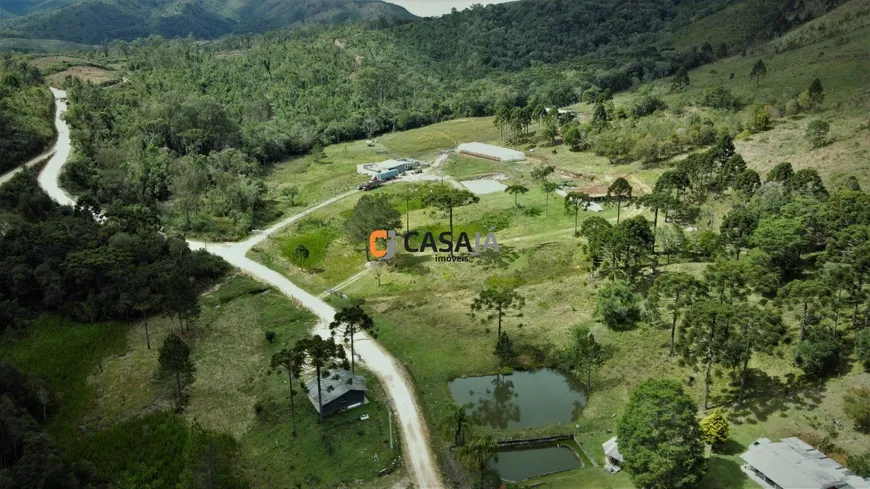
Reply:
x=490, y=152
x=374, y=169
x=611, y=451
x=793, y=464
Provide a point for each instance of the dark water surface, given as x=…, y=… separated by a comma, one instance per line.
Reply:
x=522, y=399
x=517, y=465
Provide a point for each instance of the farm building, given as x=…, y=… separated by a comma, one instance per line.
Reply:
x=793, y=463
x=388, y=167
x=598, y=192
x=340, y=391
x=490, y=152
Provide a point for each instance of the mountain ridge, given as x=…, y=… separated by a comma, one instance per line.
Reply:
x=92, y=21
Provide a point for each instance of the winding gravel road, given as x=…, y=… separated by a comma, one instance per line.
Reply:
x=420, y=460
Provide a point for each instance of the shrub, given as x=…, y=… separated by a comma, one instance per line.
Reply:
x=618, y=306
x=792, y=108
x=270, y=336
x=819, y=354
x=860, y=464
x=856, y=405
x=718, y=97
x=817, y=133
x=714, y=428
x=648, y=105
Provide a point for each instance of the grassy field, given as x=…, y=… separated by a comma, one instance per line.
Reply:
x=106, y=378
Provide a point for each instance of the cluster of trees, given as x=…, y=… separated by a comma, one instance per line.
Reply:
x=60, y=259
x=26, y=112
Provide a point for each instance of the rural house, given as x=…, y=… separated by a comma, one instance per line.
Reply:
x=792, y=463
x=341, y=390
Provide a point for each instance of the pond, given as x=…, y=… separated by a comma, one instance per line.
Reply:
x=518, y=465
x=522, y=399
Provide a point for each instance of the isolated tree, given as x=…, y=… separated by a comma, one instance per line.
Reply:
x=542, y=172
x=498, y=301
x=321, y=355
x=290, y=360
x=714, y=428
x=660, y=438
x=782, y=172
x=816, y=93
x=758, y=72
x=584, y=353
x=448, y=198
x=808, y=295
x=747, y=182
x=817, y=133
x=477, y=453
x=457, y=420
x=597, y=232
x=371, y=213
x=656, y=201
x=706, y=329
x=737, y=228
x=290, y=193
x=188, y=184
x=516, y=191
x=300, y=255
x=348, y=322
x=574, y=202
x=617, y=306
x=678, y=291
x=819, y=355
x=681, y=80
x=174, y=359
x=575, y=137
x=504, y=349
x=752, y=329
x=619, y=191
x=672, y=240
x=856, y=405
x=548, y=188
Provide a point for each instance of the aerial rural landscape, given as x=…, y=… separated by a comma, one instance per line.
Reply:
x=358, y=244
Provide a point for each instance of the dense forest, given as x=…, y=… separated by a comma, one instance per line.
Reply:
x=26, y=112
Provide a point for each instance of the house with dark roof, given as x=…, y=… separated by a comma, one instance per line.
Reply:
x=793, y=464
x=340, y=391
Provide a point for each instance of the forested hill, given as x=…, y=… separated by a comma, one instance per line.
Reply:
x=518, y=35
x=92, y=21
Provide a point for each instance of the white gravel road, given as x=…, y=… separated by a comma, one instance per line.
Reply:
x=419, y=458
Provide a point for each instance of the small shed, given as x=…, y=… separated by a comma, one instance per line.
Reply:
x=490, y=152
x=340, y=391
x=611, y=452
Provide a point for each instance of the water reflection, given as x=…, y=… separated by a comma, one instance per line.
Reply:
x=517, y=465
x=522, y=399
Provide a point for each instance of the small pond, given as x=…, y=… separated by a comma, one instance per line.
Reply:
x=518, y=465
x=522, y=399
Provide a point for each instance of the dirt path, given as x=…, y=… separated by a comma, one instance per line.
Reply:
x=59, y=108
x=420, y=459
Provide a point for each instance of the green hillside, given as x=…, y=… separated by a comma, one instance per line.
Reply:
x=26, y=113
x=92, y=21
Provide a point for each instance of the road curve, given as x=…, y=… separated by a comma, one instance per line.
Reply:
x=420, y=460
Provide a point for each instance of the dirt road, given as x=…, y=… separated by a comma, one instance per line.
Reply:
x=418, y=455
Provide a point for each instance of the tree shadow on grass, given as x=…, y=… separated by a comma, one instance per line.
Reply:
x=722, y=472
x=501, y=259
x=412, y=264
x=766, y=395
x=730, y=447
